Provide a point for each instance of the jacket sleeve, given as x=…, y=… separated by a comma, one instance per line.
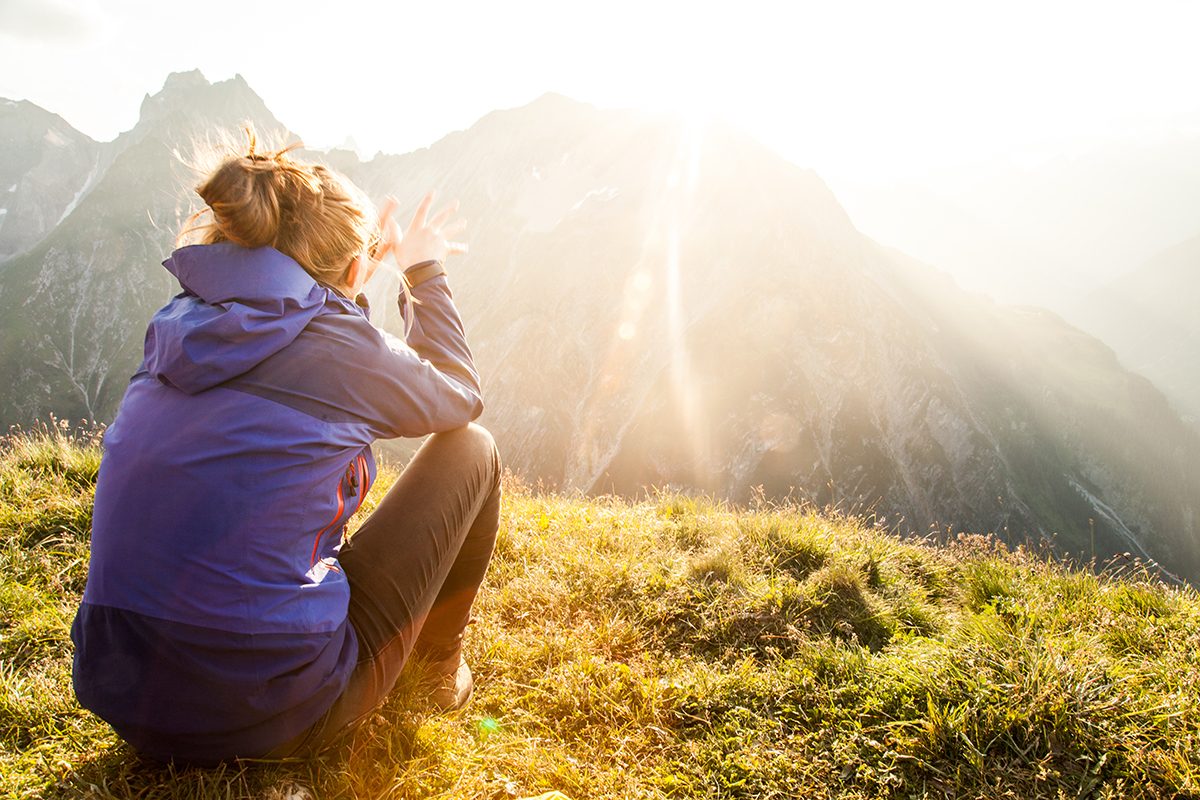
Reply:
x=429, y=383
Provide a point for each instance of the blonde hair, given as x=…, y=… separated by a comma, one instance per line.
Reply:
x=304, y=210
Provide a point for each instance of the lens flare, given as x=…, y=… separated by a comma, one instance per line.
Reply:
x=652, y=305
x=678, y=199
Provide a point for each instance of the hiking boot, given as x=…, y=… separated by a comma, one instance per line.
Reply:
x=452, y=686
x=449, y=678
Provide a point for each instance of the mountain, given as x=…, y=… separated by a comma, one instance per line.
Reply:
x=1149, y=316
x=655, y=303
x=45, y=166
x=1045, y=232
x=75, y=304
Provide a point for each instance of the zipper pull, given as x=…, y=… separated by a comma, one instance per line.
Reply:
x=352, y=477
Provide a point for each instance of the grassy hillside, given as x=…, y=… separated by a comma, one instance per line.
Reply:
x=676, y=648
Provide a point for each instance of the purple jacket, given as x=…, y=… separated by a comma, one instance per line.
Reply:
x=214, y=619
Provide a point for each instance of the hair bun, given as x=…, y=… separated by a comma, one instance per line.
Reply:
x=243, y=194
x=251, y=195
x=304, y=210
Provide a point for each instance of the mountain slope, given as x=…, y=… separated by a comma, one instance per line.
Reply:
x=1150, y=318
x=45, y=166
x=656, y=303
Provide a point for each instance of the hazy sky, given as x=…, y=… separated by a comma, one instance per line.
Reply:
x=856, y=89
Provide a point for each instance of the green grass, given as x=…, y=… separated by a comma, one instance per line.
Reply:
x=675, y=647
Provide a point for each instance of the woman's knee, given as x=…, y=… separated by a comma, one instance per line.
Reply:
x=477, y=442
x=473, y=435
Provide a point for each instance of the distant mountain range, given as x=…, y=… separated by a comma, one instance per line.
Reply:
x=649, y=304
x=1046, y=232
x=1151, y=317
x=1108, y=237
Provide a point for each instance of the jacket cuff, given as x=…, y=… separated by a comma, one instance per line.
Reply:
x=419, y=273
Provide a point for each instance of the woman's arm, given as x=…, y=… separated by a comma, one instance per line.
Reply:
x=437, y=332
x=439, y=388
x=428, y=383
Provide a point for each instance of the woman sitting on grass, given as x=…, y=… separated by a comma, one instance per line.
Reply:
x=224, y=616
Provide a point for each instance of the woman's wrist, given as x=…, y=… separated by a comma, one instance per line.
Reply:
x=424, y=270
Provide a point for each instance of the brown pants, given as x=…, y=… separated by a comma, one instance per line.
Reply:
x=414, y=568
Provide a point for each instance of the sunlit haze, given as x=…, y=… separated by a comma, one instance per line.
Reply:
x=931, y=263
x=866, y=91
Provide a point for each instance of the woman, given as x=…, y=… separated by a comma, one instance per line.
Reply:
x=223, y=615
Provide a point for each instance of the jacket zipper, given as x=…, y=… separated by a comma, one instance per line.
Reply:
x=351, y=478
x=341, y=506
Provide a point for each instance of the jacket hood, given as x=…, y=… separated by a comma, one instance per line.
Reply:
x=239, y=306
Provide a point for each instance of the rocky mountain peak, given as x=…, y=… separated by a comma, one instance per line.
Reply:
x=9, y=106
x=185, y=80
x=30, y=115
x=45, y=164
x=175, y=89
x=190, y=98
x=557, y=100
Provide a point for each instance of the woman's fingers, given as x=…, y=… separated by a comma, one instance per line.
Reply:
x=389, y=207
x=418, y=220
x=457, y=226
x=389, y=234
x=439, y=219
x=427, y=235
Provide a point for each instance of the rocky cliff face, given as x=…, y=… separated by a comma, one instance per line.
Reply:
x=45, y=167
x=653, y=303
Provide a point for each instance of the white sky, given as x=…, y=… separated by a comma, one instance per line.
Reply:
x=863, y=90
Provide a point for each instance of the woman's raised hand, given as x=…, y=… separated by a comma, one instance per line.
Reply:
x=427, y=237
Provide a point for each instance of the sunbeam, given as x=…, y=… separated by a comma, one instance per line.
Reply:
x=678, y=200
x=654, y=304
